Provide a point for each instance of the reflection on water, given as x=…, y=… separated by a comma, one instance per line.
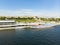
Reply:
x=49, y=36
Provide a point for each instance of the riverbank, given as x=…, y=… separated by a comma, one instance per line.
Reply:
x=6, y=24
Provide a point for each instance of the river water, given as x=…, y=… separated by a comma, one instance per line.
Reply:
x=47, y=36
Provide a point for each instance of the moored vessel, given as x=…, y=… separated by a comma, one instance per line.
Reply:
x=7, y=24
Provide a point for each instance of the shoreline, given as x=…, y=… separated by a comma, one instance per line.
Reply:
x=29, y=25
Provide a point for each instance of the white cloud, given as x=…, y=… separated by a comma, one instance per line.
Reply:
x=29, y=12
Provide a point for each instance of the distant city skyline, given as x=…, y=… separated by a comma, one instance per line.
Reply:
x=42, y=8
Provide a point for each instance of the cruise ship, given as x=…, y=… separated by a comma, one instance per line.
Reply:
x=7, y=24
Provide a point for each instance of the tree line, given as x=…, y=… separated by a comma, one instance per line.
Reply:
x=29, y=18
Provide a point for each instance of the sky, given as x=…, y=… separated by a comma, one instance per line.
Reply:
x=42, y=8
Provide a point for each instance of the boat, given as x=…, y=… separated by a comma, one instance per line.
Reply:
x=7, y=24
